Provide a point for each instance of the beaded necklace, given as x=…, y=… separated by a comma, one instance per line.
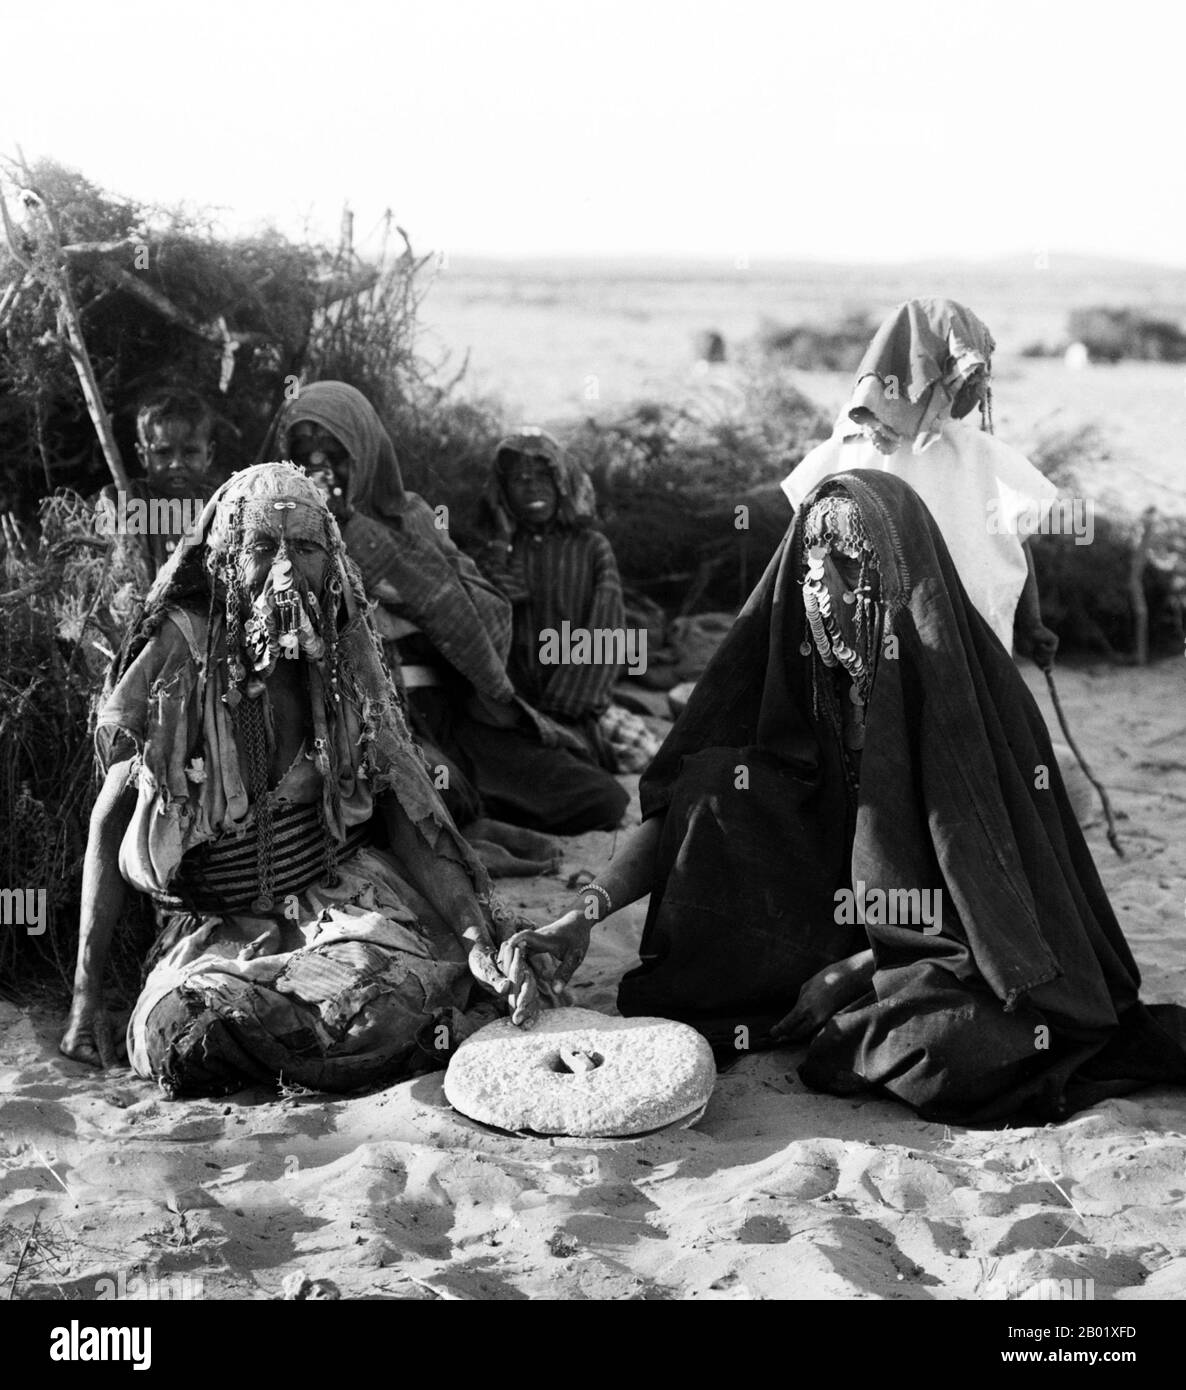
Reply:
x=248, y=701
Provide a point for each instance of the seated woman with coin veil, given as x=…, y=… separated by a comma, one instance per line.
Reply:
x=320, y=915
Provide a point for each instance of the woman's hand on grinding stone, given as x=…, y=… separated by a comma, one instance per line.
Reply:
x=566, y=939
x=525, y=992
x=508, y=975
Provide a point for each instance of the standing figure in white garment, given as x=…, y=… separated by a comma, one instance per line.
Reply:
x=927, y=368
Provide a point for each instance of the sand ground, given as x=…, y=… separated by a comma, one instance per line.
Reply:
x=776, y=1193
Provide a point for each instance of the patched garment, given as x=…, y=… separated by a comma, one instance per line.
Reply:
x=293, y=946
x=190, y=790
x=361, y=983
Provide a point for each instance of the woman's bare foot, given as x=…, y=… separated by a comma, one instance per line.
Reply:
x=89, y=1036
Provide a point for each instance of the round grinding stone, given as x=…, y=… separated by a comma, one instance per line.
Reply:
x=581, y=1073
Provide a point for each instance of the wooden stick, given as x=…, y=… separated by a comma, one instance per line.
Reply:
x=1172, y=737
x=72, y=326
x=1113, y=839
x=11, y=237
x=100, y=248
x=12, y=293
x=24, y=1251
x=215, y=332
x=1136, y=586
x=36, y=587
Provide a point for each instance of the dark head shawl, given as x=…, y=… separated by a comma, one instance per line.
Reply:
x=376, y=487
x=1027, y=997
x=440, y=590
x=576, y=499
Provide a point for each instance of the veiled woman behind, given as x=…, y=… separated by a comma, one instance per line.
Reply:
x=862, y=745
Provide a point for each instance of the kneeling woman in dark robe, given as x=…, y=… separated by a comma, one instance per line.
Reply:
x=859, y=815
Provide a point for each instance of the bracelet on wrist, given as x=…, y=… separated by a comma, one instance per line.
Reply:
x=596, y=888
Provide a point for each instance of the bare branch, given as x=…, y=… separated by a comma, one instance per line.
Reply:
x=55, y=273
x=101, y=248
x=10, y=236
x=140, y=289
x=12, y=294
x=338, y=287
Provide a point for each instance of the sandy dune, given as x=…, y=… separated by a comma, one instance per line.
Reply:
x=776, y=1193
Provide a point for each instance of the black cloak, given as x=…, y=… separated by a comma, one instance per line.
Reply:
x=1026, y=1000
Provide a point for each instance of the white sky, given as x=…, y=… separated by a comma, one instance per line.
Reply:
x=837, y=129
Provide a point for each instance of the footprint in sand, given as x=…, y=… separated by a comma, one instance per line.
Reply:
x=1154, y=1175
x=1042, y=1230
x=901, y=1180
x=803, y=1171
x=763, y=1230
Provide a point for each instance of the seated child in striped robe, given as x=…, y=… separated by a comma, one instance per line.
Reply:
x=569, y=642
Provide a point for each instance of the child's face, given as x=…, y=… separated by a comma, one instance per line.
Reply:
x=531, y=490
x=176, y=457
